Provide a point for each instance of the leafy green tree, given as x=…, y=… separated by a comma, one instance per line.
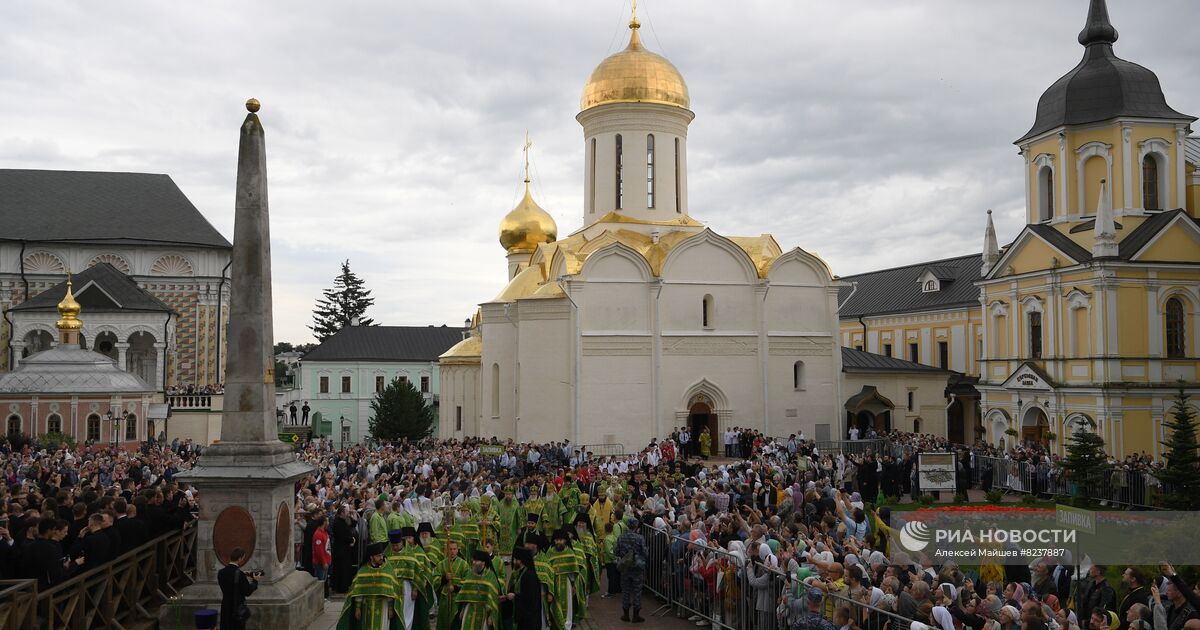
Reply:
x=1086, y=462
x=283, y=346
x=399, y=411
x=1181, y=476
x=342, y=304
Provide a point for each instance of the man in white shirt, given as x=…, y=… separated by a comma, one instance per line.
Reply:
x=730, y=436
x=853, y=433
x=685, y=442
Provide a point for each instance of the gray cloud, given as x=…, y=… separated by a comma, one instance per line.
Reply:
x=874, y=133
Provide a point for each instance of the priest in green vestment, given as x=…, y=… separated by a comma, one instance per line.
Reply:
x=450, y=573
x=370, y=604
x=428, y=552
x=552, y=511
x=562, y=572
x=409, y=573
x=377, y=525
x=508, y=521
x=465, y=532
x=479, y=595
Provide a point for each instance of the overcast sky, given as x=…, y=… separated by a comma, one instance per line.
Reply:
x=874, y=133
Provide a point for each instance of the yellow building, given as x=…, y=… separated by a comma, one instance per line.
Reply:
x=1089, y=316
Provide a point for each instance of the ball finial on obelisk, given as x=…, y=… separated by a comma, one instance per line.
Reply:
x=253, y=105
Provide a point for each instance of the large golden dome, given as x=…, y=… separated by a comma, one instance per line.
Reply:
x=527, y=226
x=635, y=75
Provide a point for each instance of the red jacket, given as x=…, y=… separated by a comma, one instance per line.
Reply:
x=320, y=550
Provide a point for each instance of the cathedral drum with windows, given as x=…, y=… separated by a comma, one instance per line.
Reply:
x=643, y=319
x=1089, y=316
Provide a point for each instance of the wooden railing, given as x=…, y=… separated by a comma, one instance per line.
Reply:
x=18, y=599
x=117, y=595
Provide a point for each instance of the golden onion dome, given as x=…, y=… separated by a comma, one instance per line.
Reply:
x=527, y=226
x=635, y=75
x=68, y=311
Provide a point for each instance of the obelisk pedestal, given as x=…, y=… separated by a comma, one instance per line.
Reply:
x=247, y=480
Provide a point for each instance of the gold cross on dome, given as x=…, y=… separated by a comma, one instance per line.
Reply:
x=525, y=149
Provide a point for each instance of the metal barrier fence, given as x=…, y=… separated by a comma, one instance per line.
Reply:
x=713, y=586
x=1118, y=487
x=119, y=594
x=850, y=447
x=603, y=450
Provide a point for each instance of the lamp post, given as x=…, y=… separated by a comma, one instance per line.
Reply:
x=342, y=436
x=114, y=420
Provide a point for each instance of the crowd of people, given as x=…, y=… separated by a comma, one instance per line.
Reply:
x=67, y=510
x=196, y=390
x=778, y=535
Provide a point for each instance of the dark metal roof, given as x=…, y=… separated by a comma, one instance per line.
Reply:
x=1102, y=86
x=93, y=207
x=387, y=343
x=896, y=290
x=100, y=288
x=1142, y=234
x=1061, y=241
x=860, y=361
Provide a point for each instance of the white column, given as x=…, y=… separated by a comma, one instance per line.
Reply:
x=159, y=357
x=760, y=292
x=1127, y=164
x=122, y=354
x=1180, y=184
x=1063, y=173
x=18, y=348
x=1028, y=186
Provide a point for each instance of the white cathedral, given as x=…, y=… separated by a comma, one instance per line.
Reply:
x=643, y=319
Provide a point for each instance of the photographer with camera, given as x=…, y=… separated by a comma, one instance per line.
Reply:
x=235, y=586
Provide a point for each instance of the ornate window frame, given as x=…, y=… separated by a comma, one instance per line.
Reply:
x=1083, y=154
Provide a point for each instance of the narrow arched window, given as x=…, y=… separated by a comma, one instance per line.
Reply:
x=617, y=173
x=678, y=197
x=798, y=375
x=1045, y=194
x=14, y=425
x=706, y=312
x=650, y=171
x=1150, y=200
x=93, y=428
x=131, y=427
x=495, y=390
x=1176, y=337
x=1035, y=335
x=54, y=423
x=592, y=180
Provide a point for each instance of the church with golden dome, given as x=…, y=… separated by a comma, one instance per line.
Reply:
x=643, y=319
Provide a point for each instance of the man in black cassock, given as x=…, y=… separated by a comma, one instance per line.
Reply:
x=523, y=601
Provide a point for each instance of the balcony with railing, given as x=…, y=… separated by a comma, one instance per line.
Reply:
x=196, y=402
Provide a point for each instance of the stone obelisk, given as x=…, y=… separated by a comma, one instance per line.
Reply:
x=247, y=479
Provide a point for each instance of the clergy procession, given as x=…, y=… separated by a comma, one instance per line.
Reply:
x=475, y=561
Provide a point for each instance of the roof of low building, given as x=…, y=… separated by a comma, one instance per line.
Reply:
x=896, y=290
x=861, y=361
x=387, y=344
x=100, y=288
x=99, y=207
x=69, y=369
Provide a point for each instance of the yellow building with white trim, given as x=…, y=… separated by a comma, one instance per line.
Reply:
x=1090, y=314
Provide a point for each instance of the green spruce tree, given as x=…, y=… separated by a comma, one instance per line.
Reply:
x=1085, y=461
x=340, y=305
x=1181, y=476
x=399, y=411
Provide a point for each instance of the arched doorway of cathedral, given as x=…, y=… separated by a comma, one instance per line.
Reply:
x=36, y=341
x=1034, y=427
x=106, y=344
x=702, y=418
x=141, y=356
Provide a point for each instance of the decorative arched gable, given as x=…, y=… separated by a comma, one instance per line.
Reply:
x=44, y=262
x=677, y=262
x=116, y=260
x=799, y=267
x=171, y=265
x=707, y=388
x=616, y=261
